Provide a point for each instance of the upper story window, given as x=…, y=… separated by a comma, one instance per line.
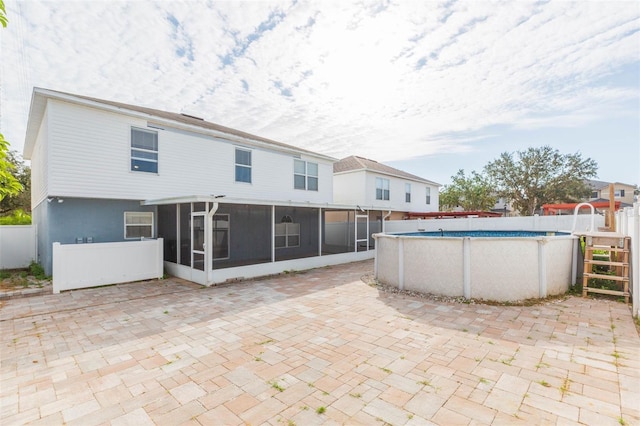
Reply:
x=407, y=192
x=594, y=194
x=428, y=195
x=619, y=193
x=382, y=189
x=144, y=150
x=243, y=165
x=305, y=175
x=138, y=225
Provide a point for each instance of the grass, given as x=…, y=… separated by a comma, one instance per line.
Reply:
x=276, y=386
x=321, y=410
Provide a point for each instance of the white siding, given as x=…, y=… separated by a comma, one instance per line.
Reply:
x=348, y=189
x=397, y=192
x=40, y=165
x=359, y=187
x=90, y=157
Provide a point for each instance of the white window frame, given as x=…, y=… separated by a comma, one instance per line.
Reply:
x=383, y=185
x=144, y=150
x=619, y=193
x=245, y=166
x=407, y=192
x=287, y=230
x=127, y=225
x=428, y=197
x=307, y=175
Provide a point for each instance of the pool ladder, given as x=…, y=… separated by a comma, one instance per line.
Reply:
x=592, y=226
x=613, y=252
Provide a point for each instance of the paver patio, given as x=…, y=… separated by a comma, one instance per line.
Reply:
x=320, y=347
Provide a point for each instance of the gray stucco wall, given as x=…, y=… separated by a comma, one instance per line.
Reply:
x=81, y=218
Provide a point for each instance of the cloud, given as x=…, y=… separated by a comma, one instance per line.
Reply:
x=389, y=80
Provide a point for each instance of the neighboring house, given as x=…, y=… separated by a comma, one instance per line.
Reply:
x=227, y=204
x=376, y=187
x=505, y=208
x=622, y=192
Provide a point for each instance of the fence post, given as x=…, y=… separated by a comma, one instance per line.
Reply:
x=56, y=271
x=160, y=257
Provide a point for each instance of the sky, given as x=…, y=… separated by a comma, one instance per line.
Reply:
x=428, y=87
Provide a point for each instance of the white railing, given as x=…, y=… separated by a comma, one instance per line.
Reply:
x=17, y=246
x=90, y=265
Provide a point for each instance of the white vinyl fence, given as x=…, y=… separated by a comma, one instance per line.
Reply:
x=522, y=223
x=17, y=246
x=90, y=265
x=628, y=223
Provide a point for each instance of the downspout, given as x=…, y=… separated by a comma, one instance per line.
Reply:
x=385, y=218
x=208, y=260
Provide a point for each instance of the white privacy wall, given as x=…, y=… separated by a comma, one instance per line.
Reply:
x=524, y=223
x=17, y=246
x=90, y=265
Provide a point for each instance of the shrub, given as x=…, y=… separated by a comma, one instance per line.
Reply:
x=17, y=217
x=37, y=271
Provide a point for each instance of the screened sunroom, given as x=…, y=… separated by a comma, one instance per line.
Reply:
x=211, y=239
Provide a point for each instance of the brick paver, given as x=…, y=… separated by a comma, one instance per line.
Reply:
x=319, y=347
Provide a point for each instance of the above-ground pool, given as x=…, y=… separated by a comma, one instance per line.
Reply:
x=489, y=265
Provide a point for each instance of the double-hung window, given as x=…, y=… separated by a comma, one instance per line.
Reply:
x=138, y=225
x=382, y=189
x=243, y=165
x=407, y=192
x=619, y=193
x=305, y=175
x=428, y=195
x=144, y=150
x=287, y=235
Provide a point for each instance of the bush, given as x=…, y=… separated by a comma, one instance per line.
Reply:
x=37, y=271
x=17, y=217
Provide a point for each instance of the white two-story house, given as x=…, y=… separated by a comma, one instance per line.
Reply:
x=377, y=187
x=227, y=204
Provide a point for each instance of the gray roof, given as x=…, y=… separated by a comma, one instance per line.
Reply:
x=600, y=184
x=355, y=163
x=37, y=108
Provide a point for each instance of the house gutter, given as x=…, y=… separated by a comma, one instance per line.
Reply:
x=383, y=220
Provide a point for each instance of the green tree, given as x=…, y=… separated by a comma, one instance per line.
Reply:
x=22, y=200
x=471, y=193
x=9, y=184
x=3, y=15
x=538, y=176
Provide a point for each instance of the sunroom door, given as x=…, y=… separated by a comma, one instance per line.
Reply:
x=362, y=232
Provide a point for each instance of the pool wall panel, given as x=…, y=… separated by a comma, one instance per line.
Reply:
x=559, y=253
x=504, y=268
x=387, y=260
x=433, y=265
